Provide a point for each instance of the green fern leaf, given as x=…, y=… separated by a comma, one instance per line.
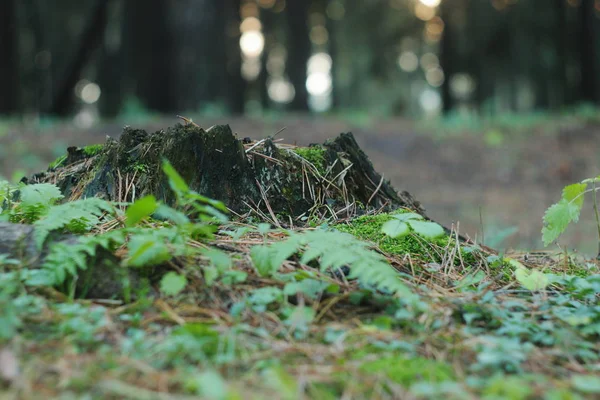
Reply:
x=41, y=194
x=79, y=216
x=333, y=249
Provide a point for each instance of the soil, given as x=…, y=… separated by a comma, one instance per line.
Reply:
x=462, y=179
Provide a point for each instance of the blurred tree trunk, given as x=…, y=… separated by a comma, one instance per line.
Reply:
x=111, y=64
x=9, y=60
x=43, y=85
x=446, y=56
x=562, y=33
x=235, y=83
x=266, y=19
x=587, y=53
x=299, y=48
x=150, y=52
x=332, y=48
x=91, y=38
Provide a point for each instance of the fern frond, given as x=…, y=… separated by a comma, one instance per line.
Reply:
x=77, y=217
x=65, y=259
x=333, y=250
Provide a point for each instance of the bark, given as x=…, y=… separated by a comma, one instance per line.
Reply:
x=9, y=61
x=447, y=54
x=253, y=177
x=299, y=49
x=104, y=277
x=150, y=49
x=235, y=83
x=587, y=52
x=91, y=38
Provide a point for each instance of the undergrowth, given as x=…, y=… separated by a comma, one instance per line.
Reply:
x=380, y=306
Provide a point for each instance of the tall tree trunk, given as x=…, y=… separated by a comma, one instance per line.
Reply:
x=111, y=65
x=235, y=84
x=446, y=56
x=562, y=33
x=91, y=38
x=149, y=46
x=587, y=52
x=299, y=48
x=9, y=60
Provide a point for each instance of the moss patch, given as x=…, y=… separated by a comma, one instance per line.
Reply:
x=93, y=149
x=58, y=162
x=407, y=371
x=313, y=154
x=368, y=227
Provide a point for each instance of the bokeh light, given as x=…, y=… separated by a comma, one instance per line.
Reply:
x=250, y=24
x=430, y=101
x=335, y=10
x=318, y=84
x=251, y=69
x=462, y=86
x=319, y=35
x=423, y=12
x=319, y=62
x=408, y=61
x=435, y=76
x=429, y=60
x=431, y=3
x=252, y=43
x=280, y=90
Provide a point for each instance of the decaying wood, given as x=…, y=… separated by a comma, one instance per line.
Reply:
x=104, y=270
x=264, y=177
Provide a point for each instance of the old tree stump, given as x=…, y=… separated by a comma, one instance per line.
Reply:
x=335, y=179
x=283, y=184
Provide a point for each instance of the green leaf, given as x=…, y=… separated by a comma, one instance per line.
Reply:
x=557, y=218
x=591, y=180
x=574, y=194
x=176, y=182
x=586, y=383
x=395, y=228
x=263, y=228
x=261, y=258
x=218, y=259
x=532, y=280
x=172, y=283
x=40, y=193
x=167, y=213
x=268, y=259
x=427, y=229
x=211, y=385
x=311, y=288
x=407, y=216
x=262, y=297
x=142, y=208
x=146, y=250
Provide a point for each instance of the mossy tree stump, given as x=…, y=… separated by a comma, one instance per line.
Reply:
x=277, y=181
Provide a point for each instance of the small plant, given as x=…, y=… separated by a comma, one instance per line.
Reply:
x=403, y=223
x=558, y=216
x=333, y=250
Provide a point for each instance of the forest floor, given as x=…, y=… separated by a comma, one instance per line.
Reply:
x=498, y=178
x=324, y=311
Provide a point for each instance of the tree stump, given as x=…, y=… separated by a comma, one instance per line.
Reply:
x=334, y=180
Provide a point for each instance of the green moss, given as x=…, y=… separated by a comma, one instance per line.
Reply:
x=315, y=155
x=407, y=371
x=93, y=149
x=58, y=162
x=368, y=227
